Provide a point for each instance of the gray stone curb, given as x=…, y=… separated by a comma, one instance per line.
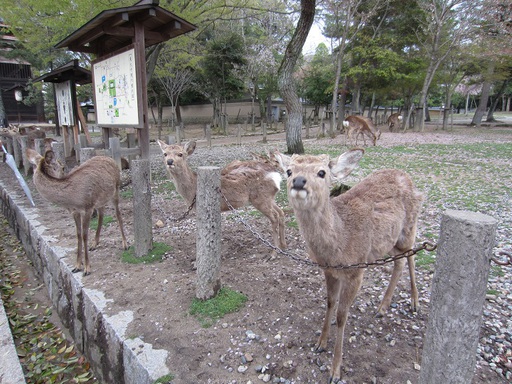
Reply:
x=100, y=337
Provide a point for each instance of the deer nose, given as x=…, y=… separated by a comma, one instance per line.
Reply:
x=170, y=162
x=299, y=182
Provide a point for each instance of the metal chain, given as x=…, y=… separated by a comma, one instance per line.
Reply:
x=426, y=245
x=503, y=253
x=183, y=216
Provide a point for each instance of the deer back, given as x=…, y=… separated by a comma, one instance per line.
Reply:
x=250, y=180
x=91, y=185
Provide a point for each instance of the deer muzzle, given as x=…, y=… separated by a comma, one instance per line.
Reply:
x=297, y=190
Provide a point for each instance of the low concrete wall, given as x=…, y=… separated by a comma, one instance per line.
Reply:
x=114, y=358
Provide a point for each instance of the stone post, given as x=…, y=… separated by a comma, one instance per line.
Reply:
x=58, y=149
x=458, y=294
x=86, y=154
x=142, y=221
x=208, y=244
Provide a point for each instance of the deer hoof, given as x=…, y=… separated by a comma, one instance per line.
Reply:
x=319, y=349
x=76, y=269
x=336, y=380
x=86, y=273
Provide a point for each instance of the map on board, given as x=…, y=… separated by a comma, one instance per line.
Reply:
x=115, y=90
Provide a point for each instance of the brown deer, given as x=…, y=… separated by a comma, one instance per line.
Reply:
x=88, y=187
x=358, y=125
x=395, y=120
x=253, y=181
x=374, y=218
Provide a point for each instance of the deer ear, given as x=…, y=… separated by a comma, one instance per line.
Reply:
x=190, y=147
x=161, y=144
x=32, y=156
x=345, y=163
x=282, y=159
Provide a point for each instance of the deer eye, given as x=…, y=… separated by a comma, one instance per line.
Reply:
x=321, y=174
x=165, y=154
x=289, y=172
x=180, y=154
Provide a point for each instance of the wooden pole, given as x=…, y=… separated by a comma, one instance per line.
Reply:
x=458, y=295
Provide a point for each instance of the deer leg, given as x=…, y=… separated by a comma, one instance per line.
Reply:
x=395, y=276
x=415, y=304
x=120, y=222
x=85, y=235
x=273, y=213
x=350, y=284
x=78, y=224
x=333, y=284
x=98, y=230
x=280, y=222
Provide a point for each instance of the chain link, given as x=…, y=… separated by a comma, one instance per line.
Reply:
x=503, y=253
x=426, y=245
x=183, y=216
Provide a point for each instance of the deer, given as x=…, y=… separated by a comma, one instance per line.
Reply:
x=376, y=217
x=359, y=125
x=394, y=120
x=255, y=181
x=84, y=189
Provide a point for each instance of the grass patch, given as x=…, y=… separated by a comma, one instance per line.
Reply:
x=209, y=311
x=126, y=194
x=106, y=221
x=154, y=255
x=164, y=379
x=425, y=260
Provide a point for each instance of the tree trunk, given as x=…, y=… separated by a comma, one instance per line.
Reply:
x=286, y=81
x=484, y=98
x=501, y=91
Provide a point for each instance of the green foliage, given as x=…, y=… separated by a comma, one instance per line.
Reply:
x=208, y=311
x=155, y=254
x=164, y=379
x=319, y=78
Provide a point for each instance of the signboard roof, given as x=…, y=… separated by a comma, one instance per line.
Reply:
x=113, y=29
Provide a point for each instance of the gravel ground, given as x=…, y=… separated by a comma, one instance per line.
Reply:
x=495, y=348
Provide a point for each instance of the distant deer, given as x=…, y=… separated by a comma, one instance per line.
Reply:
x=376, y=217
x=88, y=187
x=358, y=125
x=253, y=181
x=395, y=120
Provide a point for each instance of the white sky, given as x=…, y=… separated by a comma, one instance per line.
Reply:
x=315, y=37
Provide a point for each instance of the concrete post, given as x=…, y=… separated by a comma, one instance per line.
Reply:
x=115, y=150
x=239, y=134
x=39, y=146
x=264, y=129
x=209, y=135
x=16, y=152
x=86, y=154
x=458, y=295
x=27, y=167
x=59, y=151
x=208, y=244
x=142, y=221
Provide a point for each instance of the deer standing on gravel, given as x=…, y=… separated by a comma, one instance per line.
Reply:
x=358, y=125
x=88, y=187
x=395, y=120
x=376, y=217
x=253, y=181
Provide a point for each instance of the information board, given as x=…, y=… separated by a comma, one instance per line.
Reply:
x=64, y=103
x=115, y=90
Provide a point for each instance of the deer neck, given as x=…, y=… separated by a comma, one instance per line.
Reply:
x=185, y=181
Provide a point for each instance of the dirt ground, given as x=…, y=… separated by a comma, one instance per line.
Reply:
x=274, y=334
